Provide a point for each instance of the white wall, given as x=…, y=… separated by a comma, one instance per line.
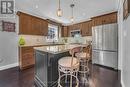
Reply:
x=124, y=40
x=9, y=46
x=120, y=34
x=126, y=52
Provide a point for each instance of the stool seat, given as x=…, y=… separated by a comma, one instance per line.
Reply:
x=66, y=62
x=69, y=67
x=84, y=59
x=82, y=55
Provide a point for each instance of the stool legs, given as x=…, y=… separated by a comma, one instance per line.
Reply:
x=84, y=68
x=71, y=80
x=71, y=76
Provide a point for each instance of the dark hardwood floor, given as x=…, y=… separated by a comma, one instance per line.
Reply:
x=99, y=77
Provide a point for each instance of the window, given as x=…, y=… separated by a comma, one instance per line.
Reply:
x=52, y=33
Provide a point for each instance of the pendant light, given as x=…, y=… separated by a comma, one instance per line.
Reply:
x=72, y=12
x=59, y=11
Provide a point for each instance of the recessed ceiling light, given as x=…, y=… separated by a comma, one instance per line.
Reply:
x=36, y=6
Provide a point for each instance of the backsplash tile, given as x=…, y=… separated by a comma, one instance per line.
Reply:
x=39, y=40
x=83, y=40
x=33, y=39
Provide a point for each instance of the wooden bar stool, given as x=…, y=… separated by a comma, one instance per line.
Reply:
x=69, y=67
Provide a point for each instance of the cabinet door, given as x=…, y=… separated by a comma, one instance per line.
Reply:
x=108, y=19
x=85, y=29
x=90, y=28
x=39, y=26
x=26, y=57
x=114, y=18
x=44, y=28
x=64, y=31
x=36, y=26
x=97, y=21
x=24, y=24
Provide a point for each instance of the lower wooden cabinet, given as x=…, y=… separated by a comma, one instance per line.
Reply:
x=26, y=57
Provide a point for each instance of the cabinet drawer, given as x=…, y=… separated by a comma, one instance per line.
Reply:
x=27, y=49
x=27, y=62
x=28, y=56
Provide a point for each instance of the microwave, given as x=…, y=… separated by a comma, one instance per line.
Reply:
x=75, y=32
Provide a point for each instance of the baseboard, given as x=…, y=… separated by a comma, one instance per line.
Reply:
x=8, y=66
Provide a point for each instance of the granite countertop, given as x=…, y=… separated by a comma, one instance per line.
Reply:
x=57, y=48
x=45, y=44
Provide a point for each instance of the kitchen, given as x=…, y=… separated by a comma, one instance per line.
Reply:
x=42, y=43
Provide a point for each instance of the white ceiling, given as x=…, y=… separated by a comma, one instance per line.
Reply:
x=83, y=10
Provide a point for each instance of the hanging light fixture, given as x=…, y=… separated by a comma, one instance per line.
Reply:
x=59, y=11
x=72, y=12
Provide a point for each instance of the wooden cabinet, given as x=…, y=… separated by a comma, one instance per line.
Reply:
x=105, y=19
x=25, y=24
x=77, y=26
x=36, y=26
x=64, y=31
x=31, y=25
x=86, y=29
x=74, y=27
x=26, y=57
x=44, y=27
x=39, y=26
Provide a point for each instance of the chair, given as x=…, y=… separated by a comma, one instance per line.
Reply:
x=84, y=58
x=69, y=66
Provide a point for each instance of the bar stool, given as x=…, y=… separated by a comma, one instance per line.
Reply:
x=84, y=58
x=69, y=66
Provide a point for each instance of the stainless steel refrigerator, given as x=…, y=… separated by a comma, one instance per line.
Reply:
x=105, y=45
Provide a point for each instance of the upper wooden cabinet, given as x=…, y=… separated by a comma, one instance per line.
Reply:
x=64, y=31
x=105, y=19
x=74, y=27
x=86, y=29
x=25, y=24
x=31, y=25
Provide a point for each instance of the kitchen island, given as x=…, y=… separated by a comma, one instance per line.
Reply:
x=46, y=63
